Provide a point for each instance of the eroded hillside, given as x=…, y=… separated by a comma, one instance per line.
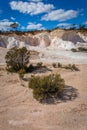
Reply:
x=59, y=39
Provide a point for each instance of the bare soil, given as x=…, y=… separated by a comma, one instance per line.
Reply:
x=20, y=111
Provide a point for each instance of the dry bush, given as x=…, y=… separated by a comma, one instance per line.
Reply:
x=54, y=65
x=59, y=65
x=39, y=64
x=17, y=59
x=47, y=86
x=21, y=73
x=82, y=49
x=74, y=50
x=71, y=67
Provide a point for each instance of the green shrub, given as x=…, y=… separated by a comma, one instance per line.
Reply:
x=39, y=64
x=82, y=49
x=54, y=65
x=17, y=59
x=74, y=50
x=71, y=67
x=74, y=67
x=59, y=65
x=21, y=73
x=47, y=86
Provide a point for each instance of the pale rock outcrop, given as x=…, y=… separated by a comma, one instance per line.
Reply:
x=31, y=41
x=59, y=39
x=60, y=44
x=72, y=36
x=3, y=42
x=12, y=42
x=83, y=36
x=44, y=39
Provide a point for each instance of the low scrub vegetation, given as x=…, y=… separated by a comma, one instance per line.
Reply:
x=74, y=50
x=17, y=59
x=57, y=65
x=39, y=64
x=54, y=65
x=21, y=73
x=80, y=49
x=47, y=86
x=72, y=67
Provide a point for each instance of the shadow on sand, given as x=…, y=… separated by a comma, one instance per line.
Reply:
x=69, y=94
x=37, y=70
x=43, y=69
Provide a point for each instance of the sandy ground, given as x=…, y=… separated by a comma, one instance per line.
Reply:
x=47, y=55
x=19, y=111
x=3, y=52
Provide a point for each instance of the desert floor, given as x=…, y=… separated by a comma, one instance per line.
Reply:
x=20, y=111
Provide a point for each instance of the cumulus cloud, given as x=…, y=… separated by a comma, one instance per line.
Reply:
x=64, y=25
x=31, y=8
x=67, y=25
x=34, y=26
x=60, y=15
x=5, y=25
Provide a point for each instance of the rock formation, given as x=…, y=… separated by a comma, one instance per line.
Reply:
x=59, y=39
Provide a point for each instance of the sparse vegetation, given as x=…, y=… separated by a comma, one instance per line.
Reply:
x=21, y=73
x=54, y=65
x=59, y=65
x=82, y=49
x=47, y=86
x=17, y=59
x=39, y=64
x=74, y=50
x=71, y=67
x=74, y=67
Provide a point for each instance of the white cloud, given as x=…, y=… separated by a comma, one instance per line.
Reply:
x=60, y=15
x=67, y=25
x=12, y=18
x=64, y=25
x=5, y=25
x=34, y=26
x=31, y=8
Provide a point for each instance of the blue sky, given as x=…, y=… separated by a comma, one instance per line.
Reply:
x=42, y=14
